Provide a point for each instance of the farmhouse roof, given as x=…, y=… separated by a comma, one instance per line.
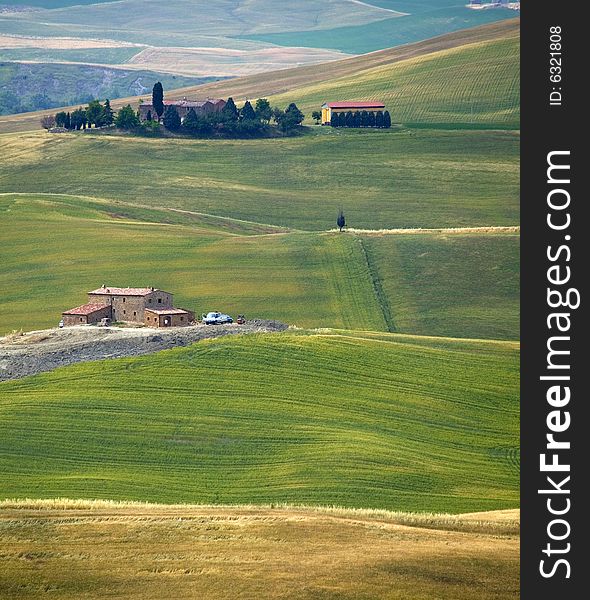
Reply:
x=117, y=291
x=354, y=105
x=167, y=311
x=86, y=309
x=188, y=103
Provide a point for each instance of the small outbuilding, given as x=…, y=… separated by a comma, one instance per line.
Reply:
x=168, y=317
x=87, y=314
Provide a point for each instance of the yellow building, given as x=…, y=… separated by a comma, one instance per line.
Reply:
x=343, y=107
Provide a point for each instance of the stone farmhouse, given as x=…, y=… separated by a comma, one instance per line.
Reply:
x=149, y=306
x=183, y=107
x=343, y=107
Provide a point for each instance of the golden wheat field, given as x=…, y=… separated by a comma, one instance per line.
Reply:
x=80, y=549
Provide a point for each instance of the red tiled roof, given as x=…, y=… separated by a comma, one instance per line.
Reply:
x=116, y=291
x=86, y=309
x=167, y=311
x=355, y=105
x=187, y=103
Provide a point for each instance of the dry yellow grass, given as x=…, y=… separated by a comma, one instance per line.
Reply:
x=82, y=549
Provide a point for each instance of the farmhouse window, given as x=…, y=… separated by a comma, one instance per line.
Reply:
x=134, y=313
x=123, y=299
x=159, y=300
x=81, y=319
x=124, y=312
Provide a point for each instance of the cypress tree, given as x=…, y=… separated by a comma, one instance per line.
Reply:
x=68, y=121
x=342, y=119
x=348, y=120
x=172, y=119
x=379, y=119
x=247, y=113
x=295, y=115
x=341, y=221
x=230, y=111
x=158, y=99
x=356, y=119
x=371, y=119
x=364, y=118
x=148, y=117
x=386, y=119
x=334, y=120
x=108, y=113
x=60, y=119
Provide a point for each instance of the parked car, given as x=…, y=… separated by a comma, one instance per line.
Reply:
x=216, y=318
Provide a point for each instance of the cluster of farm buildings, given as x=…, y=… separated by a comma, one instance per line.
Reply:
x=215, y=105
x=183, y=107
x=147, y=306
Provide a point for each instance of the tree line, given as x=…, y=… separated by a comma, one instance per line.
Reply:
x=97, y=114
x=259, y=120
x=379, y=119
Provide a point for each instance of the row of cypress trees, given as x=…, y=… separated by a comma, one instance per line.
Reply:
x=362, y=118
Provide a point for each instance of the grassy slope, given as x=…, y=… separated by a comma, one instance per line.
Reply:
x=405, y=424
x=457, y=285
x=153, y=552
x=382, y=179
x=473, y=84
x=288, y=81
x=58, y=248
x=426, y=20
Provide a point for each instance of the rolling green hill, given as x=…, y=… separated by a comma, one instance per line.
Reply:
x=398, y=422
x=473, y=84
x=57, y=248
x=382, y=179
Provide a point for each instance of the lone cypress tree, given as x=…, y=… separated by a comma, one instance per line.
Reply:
x=158, y=99
x=386, y=119
x=341, y=221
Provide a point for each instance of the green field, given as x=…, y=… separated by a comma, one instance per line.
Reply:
x=397, y=387
x=57, y=248
x=175, y=23
x=104, y=56
x=425, y=19
x=474, y=84
x=401, y=423
x=382, y=179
